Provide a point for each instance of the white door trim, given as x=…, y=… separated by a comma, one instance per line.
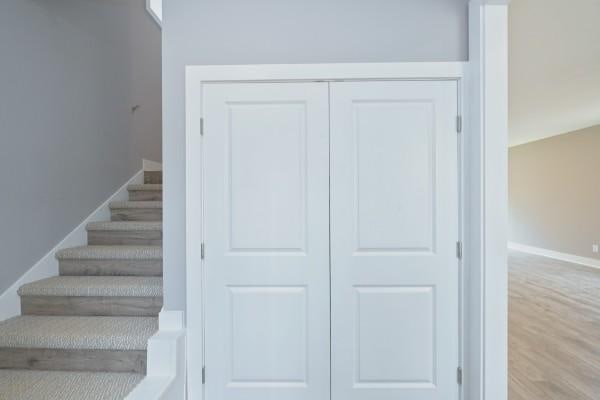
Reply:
x=196, y=76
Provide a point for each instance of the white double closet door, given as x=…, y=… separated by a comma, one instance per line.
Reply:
x=331, y=222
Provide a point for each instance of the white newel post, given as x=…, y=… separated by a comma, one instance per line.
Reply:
x=486, y=357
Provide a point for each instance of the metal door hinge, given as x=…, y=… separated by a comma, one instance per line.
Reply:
x=459, y=250
x=459, y=375
x=202, y=251
x=459, y=123
x=203, y=375
x=201, y=126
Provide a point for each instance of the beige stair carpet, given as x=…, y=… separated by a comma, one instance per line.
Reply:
x=58, y=385
x=98, y=340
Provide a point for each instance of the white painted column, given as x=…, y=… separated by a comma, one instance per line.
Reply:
x=487, y=153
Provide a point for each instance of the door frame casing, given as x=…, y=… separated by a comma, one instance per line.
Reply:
x=483, y=85
x=197, y=76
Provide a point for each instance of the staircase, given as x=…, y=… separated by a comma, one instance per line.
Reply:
x=83, y=334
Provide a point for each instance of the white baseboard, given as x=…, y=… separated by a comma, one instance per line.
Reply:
x=165, y=378
x=47, y=266
x=572, y=258
x=149, y=165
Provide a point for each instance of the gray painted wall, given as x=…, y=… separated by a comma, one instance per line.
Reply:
x=554, y=193
x=283, y=31
x=69, y=74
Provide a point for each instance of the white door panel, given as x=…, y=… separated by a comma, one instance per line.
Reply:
x=394, y=228
x=267, y=241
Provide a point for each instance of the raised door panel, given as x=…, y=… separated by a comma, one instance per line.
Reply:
x=266, y=212
x=394, y=228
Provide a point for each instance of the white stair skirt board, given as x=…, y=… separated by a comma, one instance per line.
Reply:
x=149, y=165
x=154, y=8
x=165, y=378
x=47, y=266
x=571, y=258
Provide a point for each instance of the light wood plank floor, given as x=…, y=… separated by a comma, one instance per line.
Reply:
x=554, y=330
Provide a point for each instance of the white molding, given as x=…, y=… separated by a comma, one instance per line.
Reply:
x=486, y=253
x=154, y=8
x=196, y=76
x=556, y=255
x=165, y=377
x=47, y=266
x=323, y=72
x=149, y=165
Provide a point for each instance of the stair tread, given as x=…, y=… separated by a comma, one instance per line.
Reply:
x=135, y=204
x=116, y=252
x=124, y=226
x=77, y=333
x=97, y=286
x=66, y=385
x=145, y=186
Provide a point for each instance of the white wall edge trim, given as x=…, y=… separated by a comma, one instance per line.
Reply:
x=47, y=266
x=154, y=8
x=486, y=366
x=557, y=255
x=149, y=165
x=312, y=72
x=165, y=379
x=196, y=76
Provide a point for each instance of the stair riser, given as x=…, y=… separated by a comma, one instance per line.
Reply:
x=91, y=306
x=111, y=267
x=133, y=361
x=152, y=177
x=145, y=195
x=135, y=238
x=136, y=214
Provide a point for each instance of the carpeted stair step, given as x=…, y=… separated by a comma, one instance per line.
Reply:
x=147, y=192
x=111, y=260
x=125, y=233
x=136, y=210
x=93, y=296
x=153, y=177
x=59, y=385
x=107, y=344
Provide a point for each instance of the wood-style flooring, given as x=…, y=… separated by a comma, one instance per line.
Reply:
x=554, y=330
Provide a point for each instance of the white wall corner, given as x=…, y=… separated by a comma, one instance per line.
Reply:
x=149, y=165
x=47, y=266
x=154, y=8
x=166, y=374
x=487, y=150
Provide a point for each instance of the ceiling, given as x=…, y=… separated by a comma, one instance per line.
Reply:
x=554, y=67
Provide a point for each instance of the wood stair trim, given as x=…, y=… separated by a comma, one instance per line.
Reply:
x=90, y=360
x=125, y=233
x=75, y=267
x=115, y=306
x=153, y=177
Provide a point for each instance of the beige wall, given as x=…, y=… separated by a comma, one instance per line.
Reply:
x=554, y=193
